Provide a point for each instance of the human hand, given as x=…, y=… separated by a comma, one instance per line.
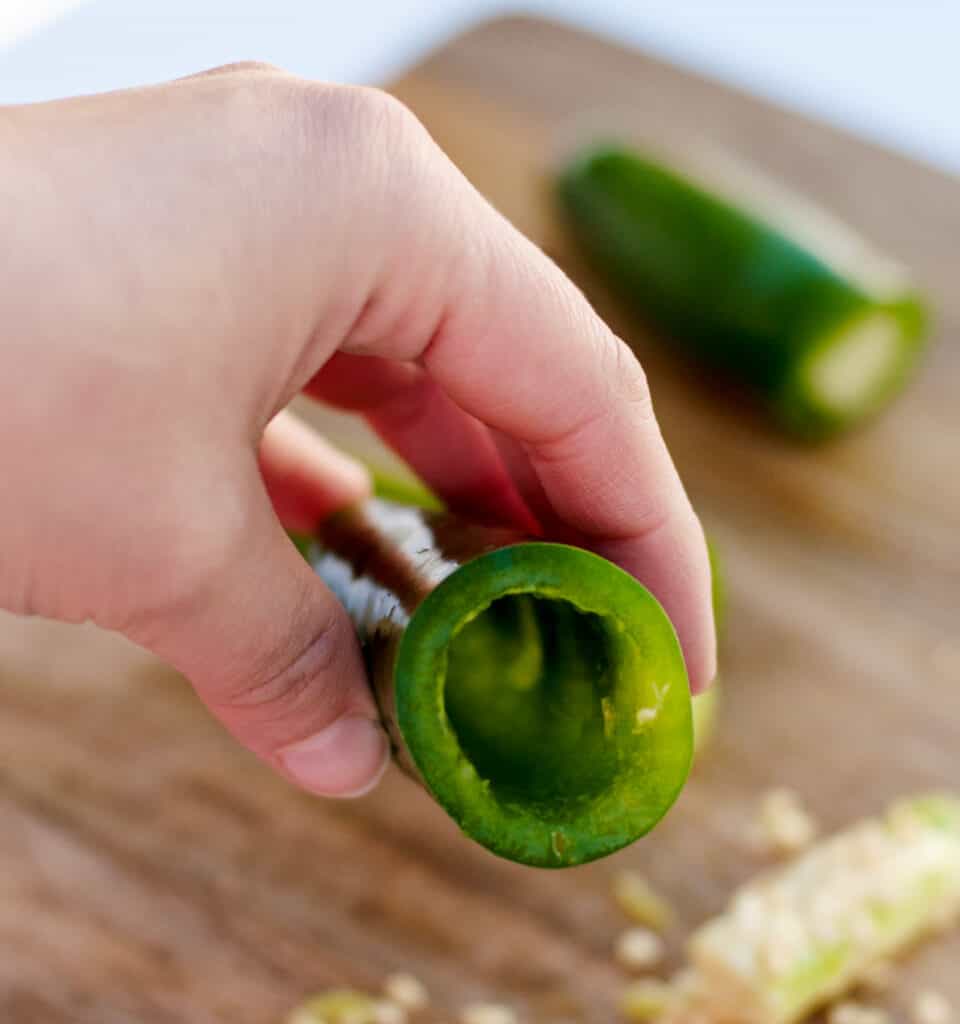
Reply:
x=182, y=261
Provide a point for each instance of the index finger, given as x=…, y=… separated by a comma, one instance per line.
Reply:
x=532, y=359
x=516, y=344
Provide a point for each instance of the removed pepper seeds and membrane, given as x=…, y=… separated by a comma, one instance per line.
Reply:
x=878, y=977
x=790, y=941
x=806, y=933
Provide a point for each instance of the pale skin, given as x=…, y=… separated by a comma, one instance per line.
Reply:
x=180, y=262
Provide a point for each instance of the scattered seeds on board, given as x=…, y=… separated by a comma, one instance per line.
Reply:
x=849, y=1012
x=648, y=999
x=931, y=1007
x=387, y=1012
x=640, y=902
x=639, y=949
x=346, y=1006
x=406, y=990
x=487, y=1013
x=783, y=824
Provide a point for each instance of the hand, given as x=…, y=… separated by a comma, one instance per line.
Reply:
x=181, y=261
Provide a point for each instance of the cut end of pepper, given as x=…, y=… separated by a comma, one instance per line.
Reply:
x=519, y=684
x=854, y=372
x=750, y=280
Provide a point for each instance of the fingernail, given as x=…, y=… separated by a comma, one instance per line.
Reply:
x=344, y=760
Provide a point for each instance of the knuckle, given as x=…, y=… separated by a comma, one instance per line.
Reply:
x=248, y=66
x=373, y=141
x=649, y=517
x=255, y=104
x=349, y=116
x=624, y=390
x=627, y=378
x=380, y=112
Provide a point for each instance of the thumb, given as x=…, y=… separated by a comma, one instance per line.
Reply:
x=272, y=653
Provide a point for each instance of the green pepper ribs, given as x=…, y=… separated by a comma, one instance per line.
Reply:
x=751, y=280
x=535, y=689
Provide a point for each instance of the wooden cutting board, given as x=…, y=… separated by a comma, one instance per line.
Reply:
x=151, y=871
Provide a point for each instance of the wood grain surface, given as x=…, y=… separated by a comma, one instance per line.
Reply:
x=151, y=871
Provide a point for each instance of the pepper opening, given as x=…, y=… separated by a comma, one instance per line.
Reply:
x=531, y=692
x=848, y=373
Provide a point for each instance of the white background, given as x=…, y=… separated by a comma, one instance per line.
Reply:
x=889, y=69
